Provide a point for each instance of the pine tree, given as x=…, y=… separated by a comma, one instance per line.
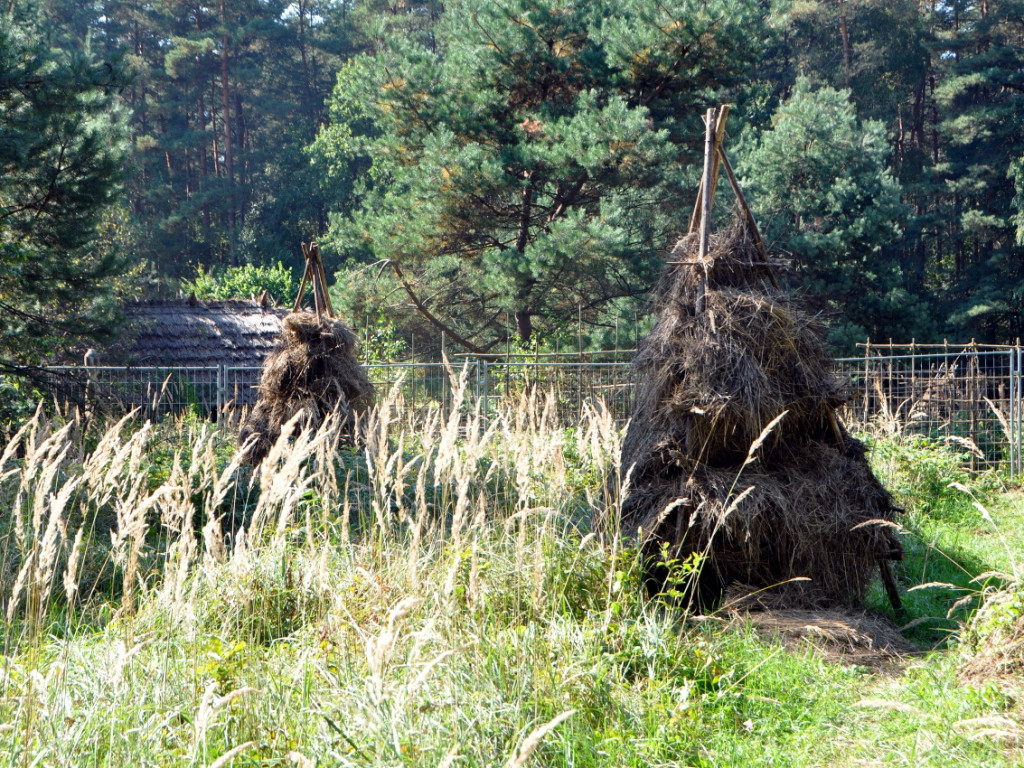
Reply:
x=224, y=98
x=527, y=159
x=981, y=134
x=60, y=169
x=819, y=183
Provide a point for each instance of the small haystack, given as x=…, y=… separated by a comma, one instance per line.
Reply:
x=709, y=473
x=313, y=370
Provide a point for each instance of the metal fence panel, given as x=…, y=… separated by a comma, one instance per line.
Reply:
x=157, y=391
x=574, y=384
x=971, y=397
x=967, y=396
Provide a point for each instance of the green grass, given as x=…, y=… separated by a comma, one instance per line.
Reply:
x=438, y=599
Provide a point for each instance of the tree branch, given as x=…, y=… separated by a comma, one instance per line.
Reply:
x=434, y=320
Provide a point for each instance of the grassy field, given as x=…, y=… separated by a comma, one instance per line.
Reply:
x=453, y=595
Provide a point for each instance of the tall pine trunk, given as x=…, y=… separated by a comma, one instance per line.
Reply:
x=229, y=160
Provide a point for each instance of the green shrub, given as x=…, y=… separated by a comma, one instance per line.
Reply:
x=241, y=283
x=921, y=473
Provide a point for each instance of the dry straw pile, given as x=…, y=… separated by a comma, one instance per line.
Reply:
x=313, y=371
x=734, y=450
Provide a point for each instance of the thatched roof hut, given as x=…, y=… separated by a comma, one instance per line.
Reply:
x=174, y=354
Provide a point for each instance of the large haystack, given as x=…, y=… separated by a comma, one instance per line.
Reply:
x=312, y=370
x=730, y=353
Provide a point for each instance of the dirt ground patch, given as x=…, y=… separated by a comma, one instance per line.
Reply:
x=844, y=636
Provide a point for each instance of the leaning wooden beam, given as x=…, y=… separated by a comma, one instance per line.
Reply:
x=705, y=221
x=719, y=135
x=723, y=112
x=833, y=418
x=747, y=214
x=302, y=285
x=889, y=582
x=318, y=264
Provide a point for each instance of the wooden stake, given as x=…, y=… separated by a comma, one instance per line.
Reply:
x=889, y=582
x=833, y=421
x=314, y=277
x=705, y=220
x=318, y=264
x=698, y=204
x=302, y=285
x=747, y=214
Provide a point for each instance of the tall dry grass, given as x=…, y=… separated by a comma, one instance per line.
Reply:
x=449, y=594
x=170, y=570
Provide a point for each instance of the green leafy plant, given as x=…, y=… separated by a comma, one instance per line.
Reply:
x=243, y=282
x=921, y=470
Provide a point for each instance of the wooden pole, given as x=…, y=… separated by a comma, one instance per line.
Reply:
x=302, y=285
x=889, y=582
x=747, y=214
x=318, y=265
x=705, y=220
x=695, y=217
x=314, y=278
x=723, y=113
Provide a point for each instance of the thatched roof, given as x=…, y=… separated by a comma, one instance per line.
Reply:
x=190, y=333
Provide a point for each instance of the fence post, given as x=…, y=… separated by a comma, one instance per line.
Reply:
x=484, y=386
x=1012, y=427
x=479, y=383
x=1018, y=422
x=867, y=387
x=222, y=387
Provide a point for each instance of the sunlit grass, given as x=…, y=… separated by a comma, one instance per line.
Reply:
x=450, y=593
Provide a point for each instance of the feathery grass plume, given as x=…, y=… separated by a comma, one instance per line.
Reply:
x=421, y=509
x=119, y=658
x=450, y=757
x=379, y=648
x=896, y=706
x=761, y=438
x=1004, y=423
x=42, y=463
x=131, y=506
x=47, y=548
x=14, y=444
x=215, y=550
x=995, y=727
x=39, y=537
x=231, y=754
x=602, y=438
x=531, y=742
x=388, y=472
x=70, y=579
x=447, y=452
x=285, y=476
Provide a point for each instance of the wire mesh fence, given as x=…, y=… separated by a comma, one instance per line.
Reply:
x=968, y=396
x=156, y=391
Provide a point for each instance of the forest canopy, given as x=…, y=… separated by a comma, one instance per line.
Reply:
x=513, y=171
